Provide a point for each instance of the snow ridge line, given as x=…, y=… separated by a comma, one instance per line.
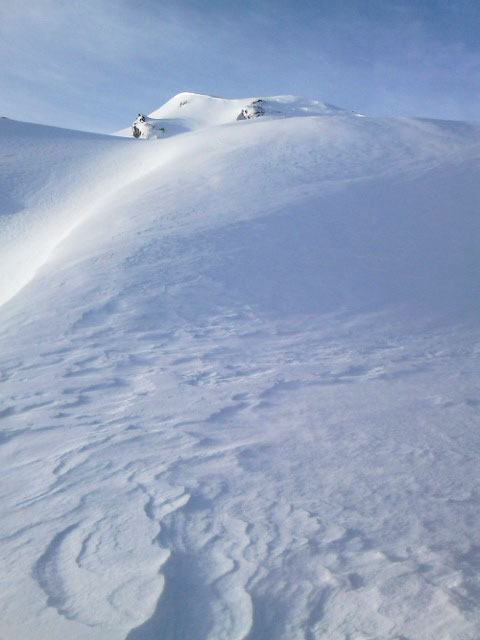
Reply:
x=29, y=237
x=80, y=187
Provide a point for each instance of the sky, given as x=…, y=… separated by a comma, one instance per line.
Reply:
x=94, y=64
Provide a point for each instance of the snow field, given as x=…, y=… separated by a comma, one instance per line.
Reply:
x=241, y=400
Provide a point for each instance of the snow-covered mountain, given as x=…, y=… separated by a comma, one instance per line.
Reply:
x=192, y=111
x=239, y=368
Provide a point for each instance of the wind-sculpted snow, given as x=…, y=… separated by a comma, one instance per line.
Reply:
x=240, y=398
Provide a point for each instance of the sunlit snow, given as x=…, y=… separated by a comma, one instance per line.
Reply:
x=239, y=373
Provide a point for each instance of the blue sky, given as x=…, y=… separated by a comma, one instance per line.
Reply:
x=95, y=64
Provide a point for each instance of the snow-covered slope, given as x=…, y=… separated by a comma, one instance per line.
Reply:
x=192, y=111
x=240, y=380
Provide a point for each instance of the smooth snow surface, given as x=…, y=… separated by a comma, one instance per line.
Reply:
x=240, y=379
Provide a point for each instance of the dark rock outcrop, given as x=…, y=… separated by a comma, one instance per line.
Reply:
x=252, y=110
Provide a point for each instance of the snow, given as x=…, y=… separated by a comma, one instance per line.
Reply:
x=193, y=111
x=239, y=376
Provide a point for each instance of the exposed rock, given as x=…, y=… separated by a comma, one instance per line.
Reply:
x=252, y=110
x=145, y=127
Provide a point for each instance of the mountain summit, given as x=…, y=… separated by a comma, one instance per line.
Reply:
x=192, y=111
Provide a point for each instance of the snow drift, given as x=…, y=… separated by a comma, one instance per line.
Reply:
x=240, y=377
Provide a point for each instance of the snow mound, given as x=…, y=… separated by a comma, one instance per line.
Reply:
x=191, y=111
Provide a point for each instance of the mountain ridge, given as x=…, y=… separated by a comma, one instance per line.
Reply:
x=188, y=111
